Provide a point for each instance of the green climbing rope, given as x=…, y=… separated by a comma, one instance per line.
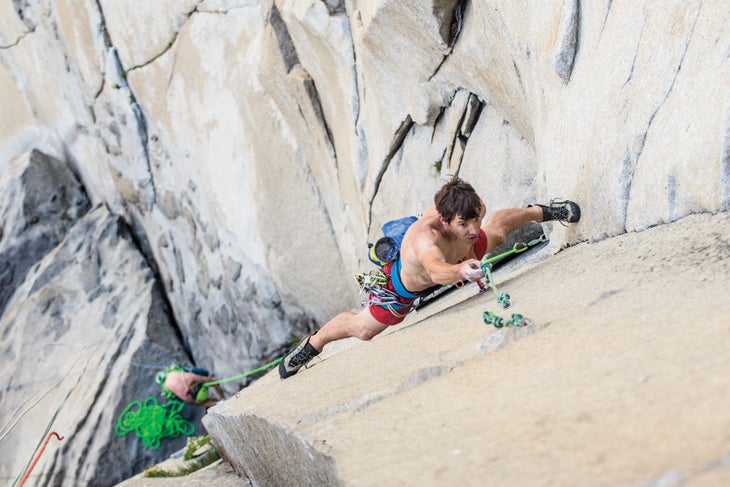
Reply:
x=516, y=320
x=517, y=248
x=504, y=299
x=152, y=421
x=245, y=374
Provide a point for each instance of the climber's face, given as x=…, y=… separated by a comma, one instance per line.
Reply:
x=467, y=230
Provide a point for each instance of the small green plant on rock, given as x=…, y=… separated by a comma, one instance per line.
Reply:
x=195, y=457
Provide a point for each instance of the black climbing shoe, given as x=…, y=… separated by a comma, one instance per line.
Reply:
x=297, y=357
x=560, y=210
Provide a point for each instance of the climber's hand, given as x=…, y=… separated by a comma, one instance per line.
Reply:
x=471, y=270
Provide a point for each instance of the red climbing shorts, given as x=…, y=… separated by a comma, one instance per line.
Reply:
x=394, y=314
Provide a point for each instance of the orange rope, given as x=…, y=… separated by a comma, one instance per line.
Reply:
x=37, y=456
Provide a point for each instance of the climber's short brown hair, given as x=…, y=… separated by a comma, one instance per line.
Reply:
x=457, y=197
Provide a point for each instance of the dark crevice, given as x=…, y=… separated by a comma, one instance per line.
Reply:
x=458, y=135
x=311, y=89
x=440, y=114
x=605, y=16
x=142, y=130
x=395, y=145
x=452, y=22
x=138, y=238
x=17, y=41
x=355, y=80
x=468, y=121
x=636, y=53
x=725, y=166
x=20, y=8
x=169, y=44
x=570, y=23
x=334, y=7
x=676, y=72
x=450, y=13
x=474, y=109
x=283, y=39
x=631, y=160
x=519, y=76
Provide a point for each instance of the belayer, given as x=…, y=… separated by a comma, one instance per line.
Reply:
x=188, y=385
x=443, y=246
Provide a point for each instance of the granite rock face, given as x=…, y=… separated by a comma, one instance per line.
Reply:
x=254, y=147
x=85, y=327
x=37, y=211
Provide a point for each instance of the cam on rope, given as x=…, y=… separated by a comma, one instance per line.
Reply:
x=504, y=299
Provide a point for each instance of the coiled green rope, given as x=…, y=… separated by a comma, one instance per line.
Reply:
x=152, y=421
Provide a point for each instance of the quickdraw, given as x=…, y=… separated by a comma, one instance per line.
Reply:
x=372, y=285
x=375, y=277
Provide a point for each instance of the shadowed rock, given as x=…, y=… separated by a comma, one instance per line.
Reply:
x=40, y=199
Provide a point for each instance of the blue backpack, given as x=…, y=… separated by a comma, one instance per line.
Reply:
x=387, y=248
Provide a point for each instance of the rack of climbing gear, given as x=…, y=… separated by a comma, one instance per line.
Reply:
x=504, y=299
x=152, y=421
x=372, y=285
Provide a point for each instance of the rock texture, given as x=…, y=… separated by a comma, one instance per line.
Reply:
x=253, y=147
x=37, y=211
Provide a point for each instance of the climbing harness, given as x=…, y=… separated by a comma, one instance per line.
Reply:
x=504, y=299
x=367, y=282
x=372, y=285
x=152, y=421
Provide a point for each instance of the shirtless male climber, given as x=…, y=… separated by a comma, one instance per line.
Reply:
x=444, y=246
